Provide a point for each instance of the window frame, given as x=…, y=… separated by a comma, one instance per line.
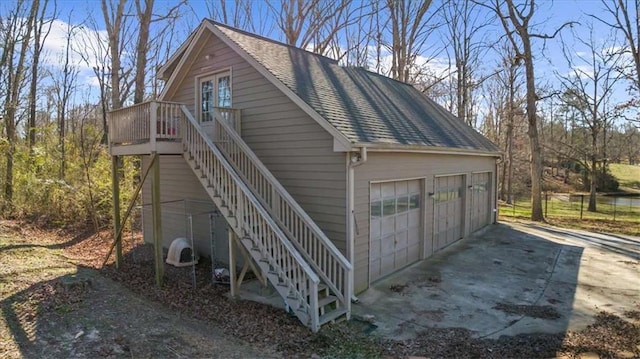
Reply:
x=214, y=77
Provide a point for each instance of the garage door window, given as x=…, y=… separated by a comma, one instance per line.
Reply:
x=393, y=206
x=447, y=194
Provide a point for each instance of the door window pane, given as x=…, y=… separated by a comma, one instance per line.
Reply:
x=224, y=91
x=206, y=90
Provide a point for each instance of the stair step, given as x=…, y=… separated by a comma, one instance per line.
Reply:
x=327, y=300
x=284, y=270
x=332, y=315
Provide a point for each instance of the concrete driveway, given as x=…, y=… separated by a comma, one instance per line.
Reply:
x=508, y=280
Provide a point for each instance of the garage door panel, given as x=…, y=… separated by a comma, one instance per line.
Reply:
x=413, y=219
x=402, y=222
x=401, y=240
x=480, y=200
x=376, y=227
x=388, y=225
x=388, y=245
x=449, y=209
x=375, y=249
x=397, y=221
x=387, y=264
x=388, y=189
x=413, y=253
x=374, y=268
x=401, y=257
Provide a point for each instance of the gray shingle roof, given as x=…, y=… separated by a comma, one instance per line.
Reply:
x=364, y=106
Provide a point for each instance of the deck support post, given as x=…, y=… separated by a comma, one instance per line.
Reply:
x=156, y=211
x=233, y=285
x=115, y=189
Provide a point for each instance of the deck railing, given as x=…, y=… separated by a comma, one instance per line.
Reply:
x=318, y=250
x=145, y=122
x=254, y=220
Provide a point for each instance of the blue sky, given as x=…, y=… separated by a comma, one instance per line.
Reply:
x=549, y=16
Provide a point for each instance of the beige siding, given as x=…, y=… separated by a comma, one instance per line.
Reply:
x=398, y=166
x=177, y=184
x=292, y=145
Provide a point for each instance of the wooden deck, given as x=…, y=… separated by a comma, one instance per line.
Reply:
x=147, y=127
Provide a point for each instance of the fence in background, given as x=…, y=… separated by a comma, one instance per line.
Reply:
x=575, y=206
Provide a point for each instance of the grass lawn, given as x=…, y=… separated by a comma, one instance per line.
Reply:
x=627, y=175
x=564, y=213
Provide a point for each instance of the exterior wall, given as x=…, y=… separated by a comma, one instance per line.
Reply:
x=182, y=194
x=382, y=166
x=293, y=146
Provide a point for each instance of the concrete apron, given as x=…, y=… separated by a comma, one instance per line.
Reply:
x=509, y=280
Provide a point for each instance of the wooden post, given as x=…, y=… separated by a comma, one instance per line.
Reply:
x=581, y=205
x=115, y=189
x=232, y=263
x=153, y=129
x=157, y=220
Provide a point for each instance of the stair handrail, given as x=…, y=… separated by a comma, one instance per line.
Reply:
x=226, y=136
x=312, y=300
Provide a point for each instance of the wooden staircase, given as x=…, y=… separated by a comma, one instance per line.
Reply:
x=302, y=264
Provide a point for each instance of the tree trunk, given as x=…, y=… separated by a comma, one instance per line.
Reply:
x=593, y=183
x=534, y=140
x=144, y=17
x=37, y=48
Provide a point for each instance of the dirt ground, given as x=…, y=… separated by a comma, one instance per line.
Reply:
x=57, y=301
x=52, y=308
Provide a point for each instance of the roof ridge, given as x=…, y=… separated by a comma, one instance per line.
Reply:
x=267, y=39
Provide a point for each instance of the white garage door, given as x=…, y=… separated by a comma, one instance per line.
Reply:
x=448, y=210
x=480, y=200
x=395, y=226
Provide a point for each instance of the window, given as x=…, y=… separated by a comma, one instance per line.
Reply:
x=215, y=91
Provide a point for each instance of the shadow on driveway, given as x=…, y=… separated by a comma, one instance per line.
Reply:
x=511, y=279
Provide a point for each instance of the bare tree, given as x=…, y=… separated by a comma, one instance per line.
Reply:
x=114, y=19
x=145, y=42
x=410, y=29
x=94, y=51
x=238, y=14
x=64, y=88
x=516, y=22
x=588, y=88
x=38, y=43
x=464, y=22
x=312, y=24
x=17, y=32
x=624, y=20
x=144, y=10
x=509, y=79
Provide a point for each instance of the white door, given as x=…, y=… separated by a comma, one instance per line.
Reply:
x=448, y=209
x=480, y=200
x=395, y=226
x=215, y=91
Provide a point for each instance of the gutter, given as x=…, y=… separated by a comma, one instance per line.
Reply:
x=391, y=147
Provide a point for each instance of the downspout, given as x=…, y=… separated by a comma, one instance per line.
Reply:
x=495, y=195
x=354, y=159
